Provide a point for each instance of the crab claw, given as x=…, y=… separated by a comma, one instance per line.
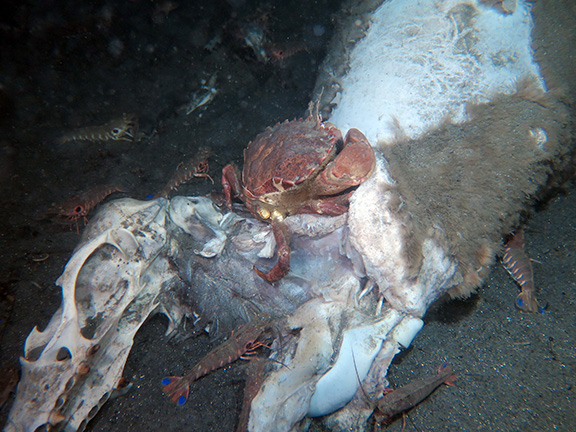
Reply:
x=354, y=164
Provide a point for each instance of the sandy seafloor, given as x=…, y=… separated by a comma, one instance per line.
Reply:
x=65, y=66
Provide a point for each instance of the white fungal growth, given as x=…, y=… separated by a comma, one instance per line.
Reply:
x=422, y=61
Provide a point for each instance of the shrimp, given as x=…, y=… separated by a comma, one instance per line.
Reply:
x=78, y=206
x=241, y=342
x=519, y=266
x=279, y=54
x=195, y=167
x=402, y=399
x=120, y=129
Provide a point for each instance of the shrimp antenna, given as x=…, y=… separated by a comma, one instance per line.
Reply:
x=358, y=377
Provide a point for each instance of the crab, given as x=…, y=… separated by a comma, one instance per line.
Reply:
x=301, y=166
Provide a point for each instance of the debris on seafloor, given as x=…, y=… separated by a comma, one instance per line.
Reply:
x=203, y=96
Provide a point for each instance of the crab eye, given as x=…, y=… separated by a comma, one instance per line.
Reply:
x=116, y=131
x=79, y=210
x=263, y=213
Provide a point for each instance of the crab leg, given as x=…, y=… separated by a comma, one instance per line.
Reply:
x=282, y=266
x=231, y=184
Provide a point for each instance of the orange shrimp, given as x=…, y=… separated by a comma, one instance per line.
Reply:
x=279, y=54
x=519, y=266
x=400, y=400
x=241, y=342
x=78, y=206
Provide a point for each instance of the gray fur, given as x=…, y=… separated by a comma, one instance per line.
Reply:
x=469, y=183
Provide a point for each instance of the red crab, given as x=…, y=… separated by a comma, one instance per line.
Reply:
x=302, y=166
